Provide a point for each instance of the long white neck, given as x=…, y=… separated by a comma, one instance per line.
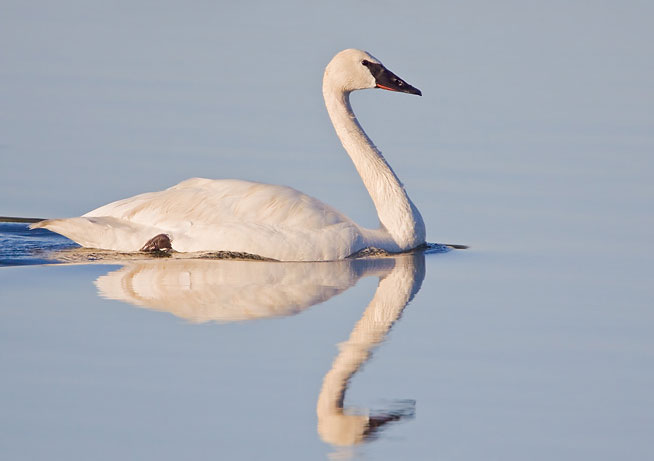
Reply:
x=399, y=217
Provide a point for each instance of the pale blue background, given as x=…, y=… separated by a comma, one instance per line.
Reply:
x=548, y=104
x=533, y=143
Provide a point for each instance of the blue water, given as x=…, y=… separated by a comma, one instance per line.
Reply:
x=532, y=144
x=175, y=357
x=21, y=246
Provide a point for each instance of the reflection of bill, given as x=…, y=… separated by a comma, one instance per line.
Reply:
x=227, y=290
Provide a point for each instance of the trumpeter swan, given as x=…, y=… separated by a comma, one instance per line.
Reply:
x=270, y=221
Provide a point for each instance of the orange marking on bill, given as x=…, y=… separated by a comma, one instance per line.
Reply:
x=385, y=87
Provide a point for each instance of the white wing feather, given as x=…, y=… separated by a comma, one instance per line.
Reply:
x=199, y=214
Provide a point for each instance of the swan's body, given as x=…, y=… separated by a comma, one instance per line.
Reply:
x=271, y=221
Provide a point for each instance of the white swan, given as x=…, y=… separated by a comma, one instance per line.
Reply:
x=271, y=221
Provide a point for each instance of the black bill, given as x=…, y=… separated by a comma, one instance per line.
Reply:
x=387, y=80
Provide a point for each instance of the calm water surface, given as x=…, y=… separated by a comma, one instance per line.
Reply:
x=532, y=144
x=425, y=356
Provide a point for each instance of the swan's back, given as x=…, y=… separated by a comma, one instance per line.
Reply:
x=217, y=202
x=199, y=214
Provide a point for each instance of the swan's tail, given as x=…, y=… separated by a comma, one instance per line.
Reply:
x=102, y=232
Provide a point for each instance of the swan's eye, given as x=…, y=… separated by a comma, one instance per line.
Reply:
x=365, y=62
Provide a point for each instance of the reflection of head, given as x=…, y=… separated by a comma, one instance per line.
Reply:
x=228, y=290
x=345, y=429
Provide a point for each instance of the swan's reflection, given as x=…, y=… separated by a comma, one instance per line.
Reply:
x=227, y=290
x=230, y=290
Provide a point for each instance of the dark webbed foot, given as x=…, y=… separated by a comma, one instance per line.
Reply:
x=159, y=242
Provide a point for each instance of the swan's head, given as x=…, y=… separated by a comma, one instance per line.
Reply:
x=353, y=70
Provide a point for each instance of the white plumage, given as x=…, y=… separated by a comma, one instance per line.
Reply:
x=271, y=221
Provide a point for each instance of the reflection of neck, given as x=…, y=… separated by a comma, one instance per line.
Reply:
x=397, y=214
x=393, y=294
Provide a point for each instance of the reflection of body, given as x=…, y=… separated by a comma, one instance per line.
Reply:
x=226, y=291
x=205, y=290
